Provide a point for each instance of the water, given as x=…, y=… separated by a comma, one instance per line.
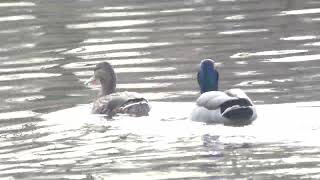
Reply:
x=48, y=49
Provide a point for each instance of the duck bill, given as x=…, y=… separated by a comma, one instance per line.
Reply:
x=91, y=81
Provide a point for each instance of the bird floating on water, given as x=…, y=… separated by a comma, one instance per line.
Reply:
x=232, y=107
x=109, y=101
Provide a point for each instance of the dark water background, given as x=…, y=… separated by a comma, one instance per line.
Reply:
x=48, y=48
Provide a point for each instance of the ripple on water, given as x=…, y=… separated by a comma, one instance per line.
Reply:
x=17, y=47
x=27, y=76
x=118, y=8
x=17, y=4
x=177, y=10
x=31, y=60
x=236, y=17
x=299, y=38
x=131, y=70
x=109, y=24
x=17, y=114
x=242, y=31
x=24, y=99
x=253, y=83
x=314, y=57
x=30, y=68
x=17, y=18
x=261, y=90
x=137, y=85
x=16, y=170
x=127, y=54
x=283, y=80
x=143, y=85
x=114, y=39
x=300, y=12
x=118, y=14
x=312, y=44
x=143, y=12
x=174, y=174
x=20, y=88
x=91, y=64
x=29, y=29
x=294, y=171
x=168, y=77
x=168, y=95
x=133, y=30
x=247, y=73
x=268, y=53
x=144, y=69
x=112, y=47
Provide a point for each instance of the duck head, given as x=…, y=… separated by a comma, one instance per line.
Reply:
x=104, y=73
x=208, y=76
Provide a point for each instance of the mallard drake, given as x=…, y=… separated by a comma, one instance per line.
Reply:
x=232, y=107
x=109, y=101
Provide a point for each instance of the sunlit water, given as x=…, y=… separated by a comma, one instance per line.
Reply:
x=48, y=49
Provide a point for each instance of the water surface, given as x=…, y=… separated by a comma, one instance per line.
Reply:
x=49, y=48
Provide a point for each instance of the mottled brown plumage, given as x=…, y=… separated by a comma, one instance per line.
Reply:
x=110, y=102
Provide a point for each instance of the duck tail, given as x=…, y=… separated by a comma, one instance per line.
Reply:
x=238, y=111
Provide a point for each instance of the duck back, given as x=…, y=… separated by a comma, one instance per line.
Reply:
x=125, y=102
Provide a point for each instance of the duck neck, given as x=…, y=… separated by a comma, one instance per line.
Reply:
x=208, y=80
x=108, y=86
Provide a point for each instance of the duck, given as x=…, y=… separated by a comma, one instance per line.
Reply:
x=110, y=102
x=231, y=107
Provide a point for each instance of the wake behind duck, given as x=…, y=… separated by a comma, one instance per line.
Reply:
x=232, y=107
